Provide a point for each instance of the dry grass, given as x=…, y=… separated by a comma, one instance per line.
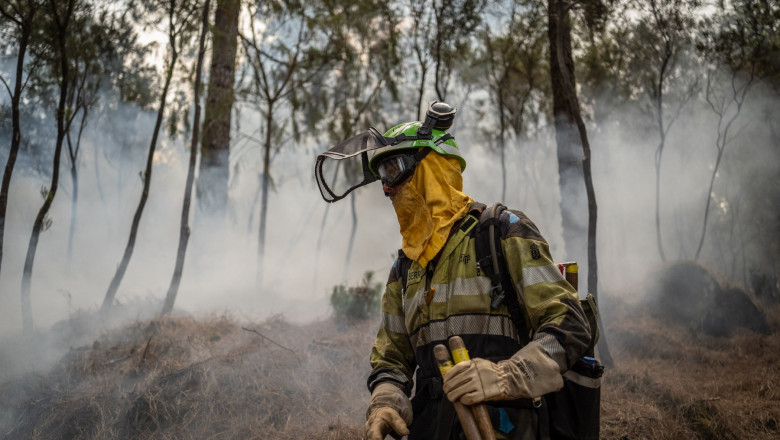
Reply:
x=181, y=378
x=671, y=382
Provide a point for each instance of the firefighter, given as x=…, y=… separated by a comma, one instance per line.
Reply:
x=436, y=289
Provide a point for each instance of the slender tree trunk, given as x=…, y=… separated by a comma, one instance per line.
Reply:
x=265, y=184
x=74, y=177
x=122, y=268
x=29, y=261
x=319, y=246
x=74, y=203
x=16, y=135
x=562, y=44
x=352, y=234
x=255, y=201
x=212, y=185
x=658, y=156
x=184, y=229
x=707, y=204
x=738, y=98
x=421, y=91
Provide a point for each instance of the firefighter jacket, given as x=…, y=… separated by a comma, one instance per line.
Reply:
x=451, y=296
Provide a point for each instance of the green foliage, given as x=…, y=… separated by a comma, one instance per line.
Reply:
x=745, y=37
x=359, y=302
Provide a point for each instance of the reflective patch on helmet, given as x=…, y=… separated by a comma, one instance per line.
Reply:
x=513, y=218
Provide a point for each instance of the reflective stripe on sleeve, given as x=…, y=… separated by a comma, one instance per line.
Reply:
x=553, y=348
x=541, y=274
x=394, y=323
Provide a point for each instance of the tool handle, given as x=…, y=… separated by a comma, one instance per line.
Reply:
x=460, y=354
x=466, y=417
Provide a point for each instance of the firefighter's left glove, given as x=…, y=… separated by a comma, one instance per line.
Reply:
x=529, y=373
x=389, y=410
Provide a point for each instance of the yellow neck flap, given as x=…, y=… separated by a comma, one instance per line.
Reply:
x=429, y=205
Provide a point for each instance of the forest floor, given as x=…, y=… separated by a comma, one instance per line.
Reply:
x=215, y=377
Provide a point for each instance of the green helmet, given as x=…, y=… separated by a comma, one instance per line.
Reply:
x=440, y=142
x=356, y=161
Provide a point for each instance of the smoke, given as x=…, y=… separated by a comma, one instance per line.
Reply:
x=220, y=274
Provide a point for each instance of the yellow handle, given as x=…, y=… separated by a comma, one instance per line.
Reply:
x=459, y=355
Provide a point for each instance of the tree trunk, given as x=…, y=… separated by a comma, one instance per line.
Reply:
x=120, y=271
x=25, y=25
x=74, y=177
x=62, y=29
x=563, y=81
x=265, y=183
x=421, y=90
x=74, y=203
x=184, y=229
x=351, y=243
x=570, y=171
x=212, y=185
x=659, y=110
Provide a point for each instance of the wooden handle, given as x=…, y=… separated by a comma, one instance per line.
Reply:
x=466, y=417
x=460, y=354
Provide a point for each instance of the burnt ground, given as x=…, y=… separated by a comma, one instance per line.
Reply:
x=215, y=377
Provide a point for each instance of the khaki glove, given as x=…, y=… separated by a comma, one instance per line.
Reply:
x=389, y=410
x=529, y=373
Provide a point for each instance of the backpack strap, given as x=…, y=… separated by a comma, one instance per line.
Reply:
x=401, y=268
x=491, y=261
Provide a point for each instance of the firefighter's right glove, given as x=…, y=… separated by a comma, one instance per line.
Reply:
x=389, y=410
x=529, y=373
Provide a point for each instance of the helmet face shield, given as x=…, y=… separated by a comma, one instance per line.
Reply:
x=344, y=168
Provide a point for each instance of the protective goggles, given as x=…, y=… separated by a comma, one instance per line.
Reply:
x=395, y=169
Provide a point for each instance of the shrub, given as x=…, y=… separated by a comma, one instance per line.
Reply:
x=359, y=302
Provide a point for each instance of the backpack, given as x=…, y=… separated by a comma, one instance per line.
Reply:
x=574, y=411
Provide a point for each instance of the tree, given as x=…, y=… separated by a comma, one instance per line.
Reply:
x=741, y=44
x=22, y=14
x=184, y=229
x=61, y=16
x=456, y=21
x=179, y=17
x=360, y=85
x=572, y=165
x=91, y=54
x=440, y=36
x=513, y=60
x=660, y=45
x=212, y=186
x=275, y=59
x=570, y=170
